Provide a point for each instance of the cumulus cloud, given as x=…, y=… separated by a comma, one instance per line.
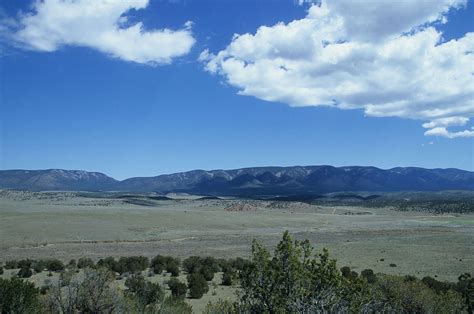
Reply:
x=442, y=131
x=386, y=58
x=100, y=25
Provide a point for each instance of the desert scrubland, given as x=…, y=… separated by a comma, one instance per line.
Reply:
x=68, y=225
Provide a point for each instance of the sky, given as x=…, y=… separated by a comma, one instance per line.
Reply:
x=142, y=88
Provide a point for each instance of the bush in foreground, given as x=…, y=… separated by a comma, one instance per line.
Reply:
x=90, y=292
x=18, y=296
x=197, y=285
x=146, y=294
x=173, y=305
x=228, y=277
x=178, y=288
x=293, y=280
x=221, y=307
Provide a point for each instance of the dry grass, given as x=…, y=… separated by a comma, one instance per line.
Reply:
x=66, y=226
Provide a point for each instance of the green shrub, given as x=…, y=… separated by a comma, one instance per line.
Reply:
x=54, y=265
x=207, y=273
x=465, y=286
x=192, y=264
x=409, y=278
x=211, y=263
x=239, y=263
x=158, y=264
x=72, y=263
x=437, y=285
x=173, y=268
x=44, y=289
x=396, y=294
x=222, y=307
x=24, y=263
x=38, y=266
x=172, y=305
x=110, y=263
x=90, y=291
x=346, y=272
x=132, y=264
x=369, y=275
x=144, y=292
x=11, y=264
x=349, y=274
x=224, y=264
x=294, y=280
x=85, y=262
x=1, y=270
x=24, y=272
x=228, y=278
x=96, y=292
x=178, y=288
x=197, y=285
x=18, y=296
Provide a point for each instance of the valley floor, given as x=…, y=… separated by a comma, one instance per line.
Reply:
x=67, y=226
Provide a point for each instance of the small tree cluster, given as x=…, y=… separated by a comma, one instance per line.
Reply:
x=85, y=262
x=53, y=265
x=178, y=288
x=228, y=277
x=197, y=285
x=368, y=274
x=24, y=272
x=160, y=263
x=26, y=266
x=206, y=266
x=12, y=264
x=465, y=287
x=131, y=264
x=293, y=280
x=109, y=262
x=231, y=269
x=296, y=281
x=147, y=295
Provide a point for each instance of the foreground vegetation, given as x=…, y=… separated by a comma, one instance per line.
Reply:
x=291, y=280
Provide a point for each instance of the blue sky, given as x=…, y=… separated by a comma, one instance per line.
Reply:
x=74, y=104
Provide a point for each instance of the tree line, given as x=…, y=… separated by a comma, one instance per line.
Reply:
x=292, y=279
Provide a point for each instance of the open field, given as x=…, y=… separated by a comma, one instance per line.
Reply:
x=67, y=225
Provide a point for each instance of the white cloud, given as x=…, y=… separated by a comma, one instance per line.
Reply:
x=101, y=25
x=445, y=122
x=442, y=131
x=386, y=58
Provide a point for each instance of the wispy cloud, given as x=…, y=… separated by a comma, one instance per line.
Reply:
x=388, y=59
x=97, y=24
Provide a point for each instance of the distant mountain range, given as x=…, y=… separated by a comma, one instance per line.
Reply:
x=295, y=180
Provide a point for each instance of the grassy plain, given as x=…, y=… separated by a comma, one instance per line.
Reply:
x=68, y=225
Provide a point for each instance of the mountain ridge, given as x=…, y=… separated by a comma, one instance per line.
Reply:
x=271, y=180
